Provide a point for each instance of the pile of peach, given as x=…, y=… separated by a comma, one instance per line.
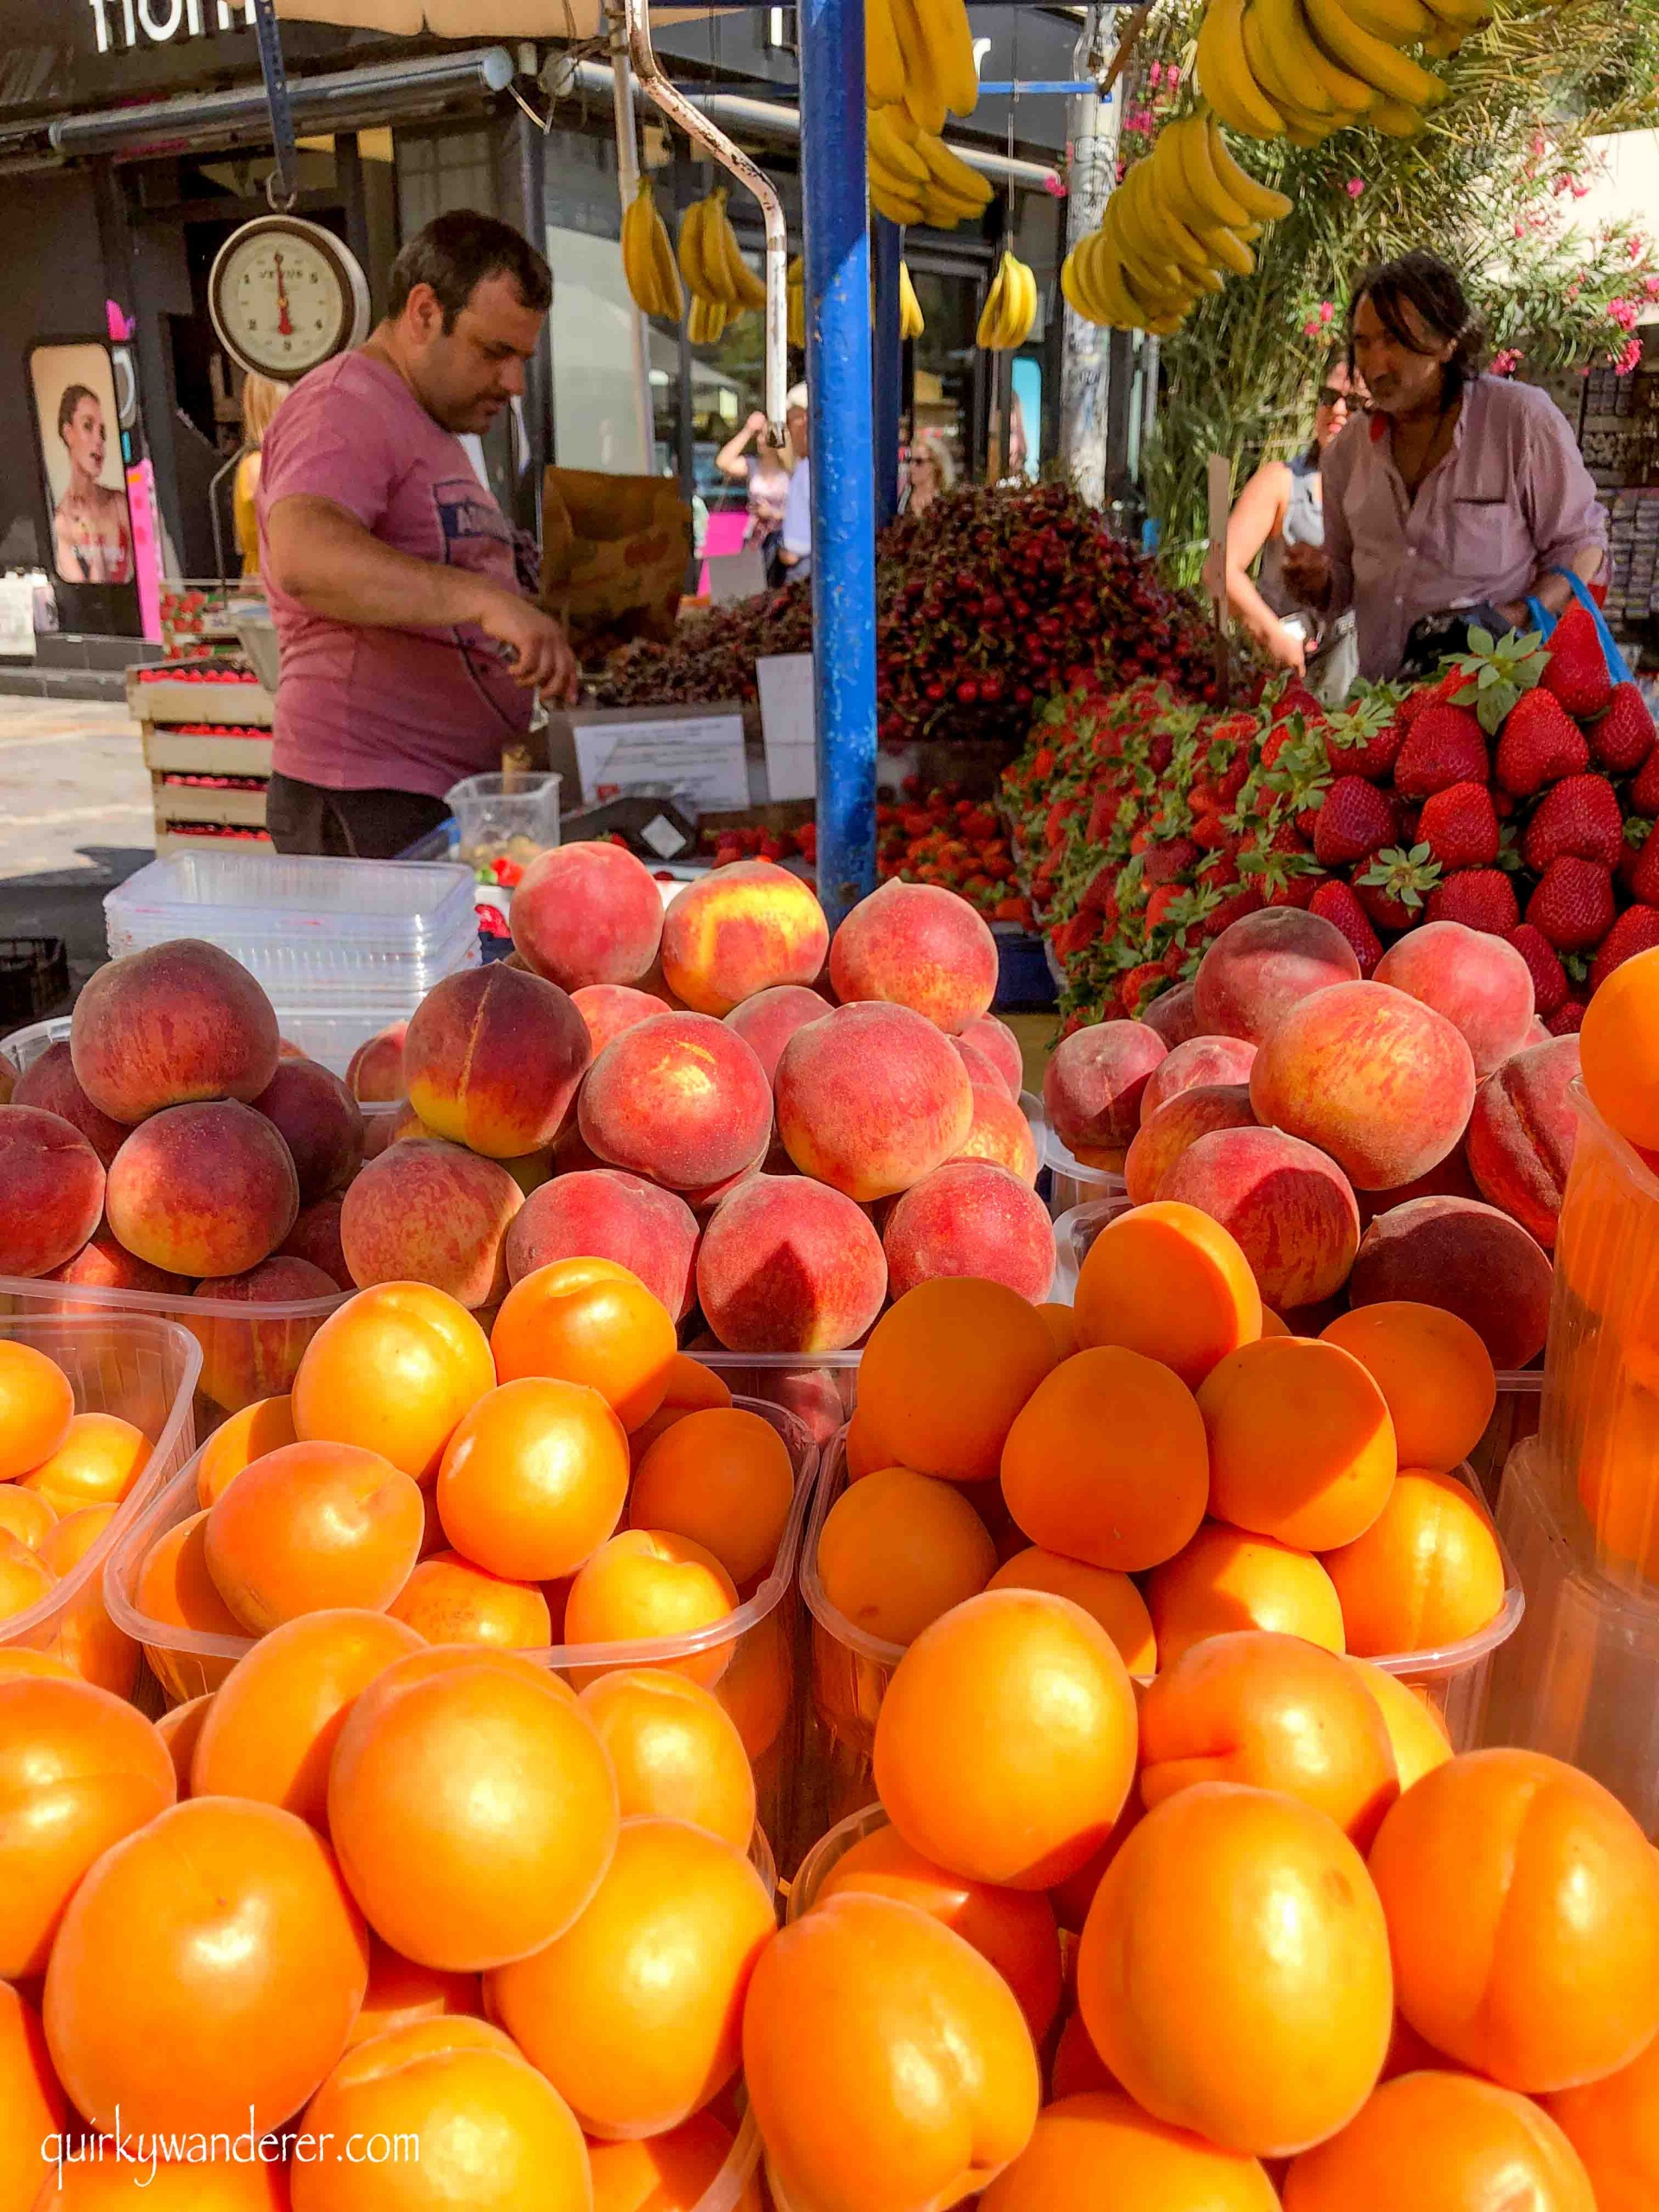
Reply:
x=1407, y=1137
x=1319, y=1962
x=569, y=1479
x=1156, y=1457
x=62, y=1476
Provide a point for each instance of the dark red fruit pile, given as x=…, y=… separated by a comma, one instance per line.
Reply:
x=985, y=603
x=1517, y=793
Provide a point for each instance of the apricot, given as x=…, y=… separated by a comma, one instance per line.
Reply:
x=534, y=1479
x=25, y=1578
x=946, y=1371
x=1263, y=965
x=97, y=1464
x=1441, y=2141
x=1094, y=1083
x=1426, y=1573
x=605, y=1214
x=665, y=2173
x=1061, y=1322
x=448, y=1600
x=787, y=1264
x=1435, y=1374
x=1108, y=1597
x=1415, y=1729
x=493, y=1059
x=1099, y=2148
x=588, y=1321
x=1167, y=1282
x=400, y=1994
x=426, y=1212
x=176, y=1591
x=1611, y=2124
x=917, y=945
x=52, y=1190
x=375, y=1074
x=37, y=1408
x=646, y=1586
x=680, y=1099
x=723, y=1477
x=393, y=1372
x=32, y=2099
x=871, y=1099
x=1301, y=1446
x=180, y=1729
x=168, y=1025
x=586, y=913
x=1482, y=985
x=49, y=1085
x=244, y=1361
x=25, y=1515
x=677, y=1753
x=1225, y=1580
x=310, y=1528
x=1466, y=1258
x=265, y=1425
x=319, y=1121
x=971, y=1217
x=691, y=1389
x=898, y=1549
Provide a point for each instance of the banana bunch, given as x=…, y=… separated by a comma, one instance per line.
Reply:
x=1302, y=69
x=648, y=258
x=1010, y=307
x=1183, y=218
x=914, y=176
x=918, y=54
x=721, y=283
x=796, y=303
x=910, y=308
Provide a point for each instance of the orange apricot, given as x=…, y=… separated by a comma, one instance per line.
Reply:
x=722, y=1477
x=1614, y=2125
x=1427, y=1572
x=1415, y=1729
x=265, y=1425
x=392, y=1371
x=588, y=1321
x=310, y=1528
x=87, y=1639
x=1099, y=2149
x=26, y=1515
x=1301, y=1447
x=1435, y=1373
x=692, y=1388
x=1166, y=1281
x=534, y=1478
x=1061, y=1322
x=1036, y=1689
x=645, y=1586
x=18, y=1659
x=759, y=1683
x=1110, y=1598
x=665, y=2173
x=1076, y=2069
x=176, y=1591
x=1443, y=2142
x=898, y=1549
x=1618, y=1053
x=945, y=1372
x=180, y=1729
x=400, y=1994
x=25, y=1578
x=29, y=2097
x=448, y=1600
x=676, y=1750
x=36, y=1407
x=97, y=1464
x=66, y=1542
x=1226, y=1580
x=865, y=1450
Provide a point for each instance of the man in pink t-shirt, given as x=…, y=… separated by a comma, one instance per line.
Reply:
x=410, y=650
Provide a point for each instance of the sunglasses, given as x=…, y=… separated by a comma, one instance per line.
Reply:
x=1329, y=395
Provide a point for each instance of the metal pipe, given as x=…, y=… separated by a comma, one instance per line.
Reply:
x=1085, y=350
x=627, y=183
x=838, y=381
x=889, y=242
x=708, y=135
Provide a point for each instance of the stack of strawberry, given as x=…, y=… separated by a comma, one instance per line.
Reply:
x=1517, y=793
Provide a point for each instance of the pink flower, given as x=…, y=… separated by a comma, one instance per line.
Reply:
x=1629, y=358
x=1506, y=361
x=1623, y=312
x=1635, y=246
x=1650, y=286
x=1356, y=186
x=1312, y=328
x=1520, y=228
x=1155, y=75
x=1326, y=311
x=1537, y=144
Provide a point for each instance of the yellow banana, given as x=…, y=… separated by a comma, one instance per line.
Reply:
x=1395, y=75
x=691, y=266
x=1227, y=251
x=1191, y=154
x=949, y=170
x=636, y=270
x=1275, y=69
x=1394, y=119
x=911, y=324
x=897, y=208
x=708, y=321
x=1258, y=200
x=795, y=293
x=1069, y=291
x=1463, y=15
x=884, y=65
x=1398, y=23
x=1350, y=95
x=950, y=42
x=946, y=209
x=899, y=158
x=1224, y=74
x=992, y=306
x=924, y=95
x=671, y=294
x=721, y=258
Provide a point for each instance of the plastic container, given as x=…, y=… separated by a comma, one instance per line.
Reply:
x=510, y=817
x=1599, y=1420
x=1074, y=1230
x=826, y=1852
x=1072, y=1184
x=1580, y=1679
x=142, y=1368
x=819, y=1389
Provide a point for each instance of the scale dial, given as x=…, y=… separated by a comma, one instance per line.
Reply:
x=286, y=295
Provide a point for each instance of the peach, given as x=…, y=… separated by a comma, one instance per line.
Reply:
x=588, y=913
x=1288, y=1205
x=741, y=929
x=1468, y=1258
x=242, y=1361
x=1000, y=1046
x=1095, y=1081
x=316, y=1237
x=203, y=1189
x=1164, y=1137
x=1522, y=1134
x=1202, y=1061
x=1000, y=1132
x=431, y=1212
x=1449, y=1178
x=378, y=1131
x=981, y=1068
x=102, y=1264
x=1482, y=985
x=52, y=1190
x=680, y=1099
x=770, y=1019
x=1381, y=1082
x=603, y=1214
x=1173, y=1015
x=917, y=945
x=790, y=1265
x=609, y=1009
x=971, y=1217
x=49, y=1083
x=1262, y=965
x=165, y=1027
x=493, y=1059
x=320, y=1124
x=374, y=1075
x=872, y=1098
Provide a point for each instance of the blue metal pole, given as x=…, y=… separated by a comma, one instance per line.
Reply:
x=838, y=378
x=889, y=242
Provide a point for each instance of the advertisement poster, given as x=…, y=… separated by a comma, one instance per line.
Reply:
x=78, y=431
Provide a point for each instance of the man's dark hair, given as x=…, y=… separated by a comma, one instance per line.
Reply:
x=1422, y=282
x=455, y=252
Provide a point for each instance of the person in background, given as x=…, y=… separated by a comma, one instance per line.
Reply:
x=767, y=477
x=1282, y=506
x=412, y=644
x=929, y=470
x=261, y=398
x=795, y=549
x=92, y=528
x=1453, y=502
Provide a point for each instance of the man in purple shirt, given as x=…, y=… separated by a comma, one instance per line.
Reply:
x=411, y=651
x=1452, y=501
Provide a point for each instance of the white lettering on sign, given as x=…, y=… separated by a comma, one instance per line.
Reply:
x=155, y=22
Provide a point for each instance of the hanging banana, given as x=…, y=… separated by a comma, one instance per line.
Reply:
x=648, y=258
x=1303, y=69
x=1010, y=307
x=797, y=302
x=915, y=177
x=918, y=54
x=910, y=308
x=713, y=266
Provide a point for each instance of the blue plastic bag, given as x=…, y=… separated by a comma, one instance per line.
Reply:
x=1544, y=619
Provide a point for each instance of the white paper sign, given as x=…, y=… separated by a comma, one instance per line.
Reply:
x=735, y=575
x=789, y=725
x=697, y=756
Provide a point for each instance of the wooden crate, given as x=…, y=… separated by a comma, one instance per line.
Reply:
x=172, y=700
x=181, y=753
x=181, y=841
x=191, y=802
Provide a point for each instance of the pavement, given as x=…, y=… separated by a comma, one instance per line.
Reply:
x=75, y=819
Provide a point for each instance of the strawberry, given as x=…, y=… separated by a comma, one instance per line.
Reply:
x=1233, y=908
x=1135, y=982
x=1644, y=790
x=1539, y=745
x=1459, y=827
x=1642, y=876
x=1168, y=861
x=1437, y=693
x=1624, y=736
x=1336, y=902
x=1548, y=977
x=1636, y=930
x=1578, y=816
x=1567, y=1020
x=1577, y=668
x=1392, y=888
x=1447, y=745
x=1573, y=903
x=1355, y=821
x=1161, y=898
x=1364, y=740
x=1479, y=898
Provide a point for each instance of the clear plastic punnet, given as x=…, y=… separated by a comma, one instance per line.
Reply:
x=1069, y=1182
x=511, y=816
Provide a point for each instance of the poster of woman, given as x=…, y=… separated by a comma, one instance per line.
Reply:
x=80, y=436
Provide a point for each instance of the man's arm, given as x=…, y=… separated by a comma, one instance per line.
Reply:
x=322, y=556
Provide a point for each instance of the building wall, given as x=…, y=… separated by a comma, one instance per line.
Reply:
x=55, y=288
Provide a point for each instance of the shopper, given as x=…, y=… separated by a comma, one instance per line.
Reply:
x=1455, y=500
x=795, y=549
x=766, y=475
x=412, y=648
x=261, y=398
x=929, y=470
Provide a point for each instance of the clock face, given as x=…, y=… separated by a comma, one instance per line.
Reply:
x=285, y=296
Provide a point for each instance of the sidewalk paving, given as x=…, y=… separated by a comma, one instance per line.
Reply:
x=75, y=819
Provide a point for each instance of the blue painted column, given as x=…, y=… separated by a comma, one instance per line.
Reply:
x=838, y=377
x=889, y=244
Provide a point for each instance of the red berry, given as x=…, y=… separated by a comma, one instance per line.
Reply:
x=1447, y=745
x=1459, y=827
x=1636, y=930
x=1355, y=821
x=1337, y=902
x=1576, y=670
x=1539, y=744
x=1548, y=977
x=1579, y=815
x=1567, y=1019
x=1574, y=904
x=1479, y=898
x=1624, y=736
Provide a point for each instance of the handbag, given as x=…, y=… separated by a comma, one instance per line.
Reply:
x=1617, y=668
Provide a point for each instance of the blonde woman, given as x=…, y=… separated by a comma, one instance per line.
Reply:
x=928, y=470
x=261, y=398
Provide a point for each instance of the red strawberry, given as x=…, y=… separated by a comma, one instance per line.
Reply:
x=1644, y=790
x=1548, y=977
x=1392, y=889
x=1576, y=670
x=1168, y=861
x=1138, y=979
x=1233, y=908
x=1336, y=902
x=1578, y=816
x=1479, y=898
x=1459, y=826
x=1567, y=1020
x=1574, y=904
x=1355, y=821
x=1162, y=898
x=1437, y=694
x=1636, y=930
x=1624, y=736
x=1643, y=874
x=1447, y=745
x=1539, y=745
